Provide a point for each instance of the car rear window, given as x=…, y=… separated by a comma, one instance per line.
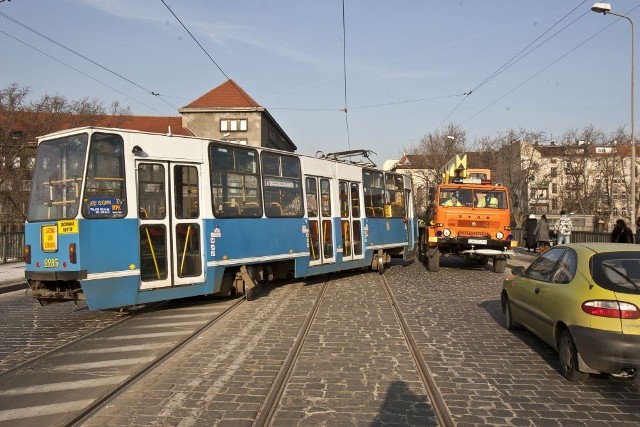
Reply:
x=617, y=271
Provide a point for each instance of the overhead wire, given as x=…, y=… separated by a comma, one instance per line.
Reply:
x=81, y=72
x=513, y=60
x=25, y=26
x=519, y=56
x=203, y=49
x=545, y=68
x=344, y=68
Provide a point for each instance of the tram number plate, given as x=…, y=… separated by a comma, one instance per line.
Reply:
x=50, y=262
x=477, y=241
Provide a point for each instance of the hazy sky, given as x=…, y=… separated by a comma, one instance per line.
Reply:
x=544, y=65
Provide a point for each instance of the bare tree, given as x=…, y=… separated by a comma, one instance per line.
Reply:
x=21, y=122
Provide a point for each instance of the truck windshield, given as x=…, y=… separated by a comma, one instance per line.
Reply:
x=57, y=178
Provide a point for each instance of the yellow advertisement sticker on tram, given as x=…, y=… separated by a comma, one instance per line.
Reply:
x=68, y=227
x=49, y=236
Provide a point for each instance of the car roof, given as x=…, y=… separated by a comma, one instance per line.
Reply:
x=605, y=247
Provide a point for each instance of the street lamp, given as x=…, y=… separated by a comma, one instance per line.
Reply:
x=605, y=8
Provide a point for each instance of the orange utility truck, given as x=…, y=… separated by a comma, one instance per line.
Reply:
x=470, y=218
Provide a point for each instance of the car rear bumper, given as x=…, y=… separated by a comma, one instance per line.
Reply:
x=607, y=351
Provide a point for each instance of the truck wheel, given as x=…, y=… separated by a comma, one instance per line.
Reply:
x=433, y=260
x=483, y=260
x=499, y=265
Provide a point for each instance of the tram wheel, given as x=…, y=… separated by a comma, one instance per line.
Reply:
x=380, y=265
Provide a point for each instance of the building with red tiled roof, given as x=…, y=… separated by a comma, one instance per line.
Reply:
x=228, y=112
x=155, y=124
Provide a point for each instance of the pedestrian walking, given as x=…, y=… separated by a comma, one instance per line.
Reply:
x=542, y=234
x=621, y=233
x=531, y=241
x=563, y=228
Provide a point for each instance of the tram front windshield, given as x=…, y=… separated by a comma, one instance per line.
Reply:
x=57, y=178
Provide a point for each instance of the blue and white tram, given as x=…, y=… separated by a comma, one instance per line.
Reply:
x=120, y=218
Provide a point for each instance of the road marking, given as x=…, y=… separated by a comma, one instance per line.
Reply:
x=66, y=385
x=120, y=349
x=140, y=336
x=38, y=411
x=170, y=325
x=104, y=364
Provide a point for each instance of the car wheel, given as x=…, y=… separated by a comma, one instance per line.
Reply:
x=508, y=318
x=568, y=355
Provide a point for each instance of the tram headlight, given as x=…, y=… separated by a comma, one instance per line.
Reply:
x=499, y=234
x=447, y=232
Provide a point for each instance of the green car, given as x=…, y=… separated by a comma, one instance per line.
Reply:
x=583, y=299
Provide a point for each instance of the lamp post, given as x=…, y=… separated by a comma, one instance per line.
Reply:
x=605, y=8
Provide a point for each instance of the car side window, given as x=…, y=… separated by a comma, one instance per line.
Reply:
x=566, y=268
x=542, y=268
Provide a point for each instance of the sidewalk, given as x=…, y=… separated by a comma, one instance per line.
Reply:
x=12, y=277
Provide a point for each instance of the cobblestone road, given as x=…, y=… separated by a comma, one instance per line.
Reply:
x=491, y=376
x=28, y=330
x=354, y=368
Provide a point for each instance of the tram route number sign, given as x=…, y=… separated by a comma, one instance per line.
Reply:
x=104, y=205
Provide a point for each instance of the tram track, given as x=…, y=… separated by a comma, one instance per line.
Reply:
x=435, y=397
x=74, y=341
x=267, y=412
x=107, y=398
x=270, y=404
x=73, y=381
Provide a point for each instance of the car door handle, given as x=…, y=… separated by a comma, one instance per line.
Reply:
x=537, y=291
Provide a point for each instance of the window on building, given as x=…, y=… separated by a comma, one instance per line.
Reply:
x=554, y=188
x=233, y=125
x=554, y=172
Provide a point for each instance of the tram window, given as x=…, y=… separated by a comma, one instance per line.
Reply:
x=235, y=189
x=57, y=178
x=325, y=197
x=104, y=193
x=282, y=185
x=395, y=195
x=314, y=240
x=344, y=199
x=357, y=238
x=373, y=194
x=151, y=191
x=186, y=191
x=153, y=252
x=188, y=247
x=355, y=200
x=312, y=197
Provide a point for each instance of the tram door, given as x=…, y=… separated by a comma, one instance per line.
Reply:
x=322, y=246
x=170, y=224
x=350, y=223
